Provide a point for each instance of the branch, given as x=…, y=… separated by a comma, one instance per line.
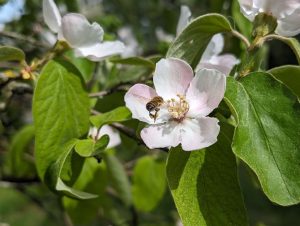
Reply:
x=23, y=38
x=20, y=181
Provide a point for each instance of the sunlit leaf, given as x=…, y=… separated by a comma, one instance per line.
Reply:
x=193, y=40
x=61, y=115
x=205, y=186
x=119, y=114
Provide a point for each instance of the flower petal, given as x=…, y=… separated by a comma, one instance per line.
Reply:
x=136, y=99
x=214, y=47
x=161, y=135
x=51, y=15
x=223, y=63
x=78, y=32
x=171, y=77
x=100, y=50
x=289, y=26
x=205, y=92
x=199, y=133
x=114, y=136
x=184, y=19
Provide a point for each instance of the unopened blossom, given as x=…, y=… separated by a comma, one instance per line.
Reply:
x=287, y=13
x=114, y=136
x=212, y=57
x=86, y=39
x=185, y=101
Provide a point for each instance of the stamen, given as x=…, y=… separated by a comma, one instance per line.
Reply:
x=178, y=108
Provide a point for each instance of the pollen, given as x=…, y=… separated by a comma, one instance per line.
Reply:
x=178, y=107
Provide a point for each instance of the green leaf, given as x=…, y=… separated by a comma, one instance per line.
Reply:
x=119, y=114
x=8, y=53
x=118, y=177
x=85, y=66
x=267, y=133
x=244, y=25
x=193, y=40
x=149, y=183
x=288, y=75
x=205, y=186
x=93, y=178
x=89, y=147
x=19, y=165
x=61, y=115
x=138, y=61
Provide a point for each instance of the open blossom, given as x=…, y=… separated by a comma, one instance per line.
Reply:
x=86, y=39
x=212, y=57
x=287, y=13
x=114, y=136
x=176, y=110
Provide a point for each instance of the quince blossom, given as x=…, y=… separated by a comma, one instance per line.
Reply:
x=181, y=118
x=212, y=57
x=287, y=13
x=114, y=136
x=85, y=38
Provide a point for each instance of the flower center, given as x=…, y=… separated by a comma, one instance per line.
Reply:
x=178, y=108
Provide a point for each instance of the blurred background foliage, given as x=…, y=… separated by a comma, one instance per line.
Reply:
x=131, y=182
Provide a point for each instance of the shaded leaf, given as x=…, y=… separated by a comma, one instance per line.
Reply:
x=118, y=177
x=149, y=183
x=288, y=75
x=267, y=133
x=8, y=53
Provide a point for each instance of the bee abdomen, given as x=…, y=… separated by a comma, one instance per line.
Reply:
x=150, y=106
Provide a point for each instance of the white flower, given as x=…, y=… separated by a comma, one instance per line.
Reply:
x=114, y=136
x=132, y=47
x=85, y=38
x=287, y=13
x=211, y=58
x=181, y=116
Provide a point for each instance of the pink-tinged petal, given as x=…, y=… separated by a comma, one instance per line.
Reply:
x=205, y=92
x=214, y=47
x=114, y=136
x=100, y=51
x=184, y=19
x=199, y=133
x=51, y=15
x=223, y=63
x=164, y=135
x=171, y=77
x=136, y=99
x=78, y=32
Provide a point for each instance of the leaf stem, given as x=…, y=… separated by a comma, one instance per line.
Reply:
x=241, y=37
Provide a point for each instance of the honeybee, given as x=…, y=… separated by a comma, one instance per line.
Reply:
x=153, y=105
